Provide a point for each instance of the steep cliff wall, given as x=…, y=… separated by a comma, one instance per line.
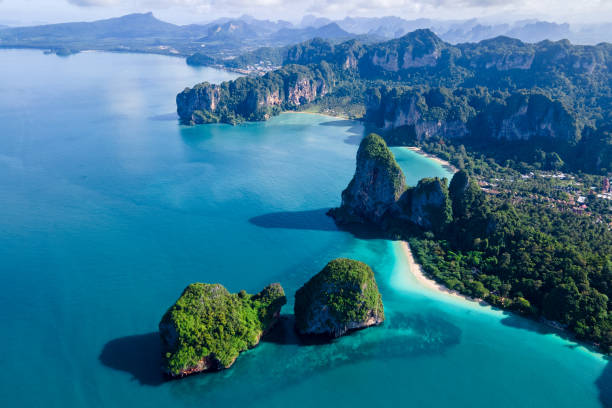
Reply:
x=429, y=112
x=463, y=113
x=427, y=205
x=528, y=116
x=376, y=186
x=254, y=98
x=377, y=194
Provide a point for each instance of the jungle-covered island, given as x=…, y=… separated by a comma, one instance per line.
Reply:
x=341, y=298
x=208, y=327
x=526, y=222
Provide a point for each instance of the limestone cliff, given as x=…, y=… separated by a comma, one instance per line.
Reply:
x=254, y=98
x=376, y=186
x=440, y=113
x=393, y=108
x=427, y=205
x=419, y=49
x=342, y=297
x=428, y=113
x=377, y=194
x=529, y=116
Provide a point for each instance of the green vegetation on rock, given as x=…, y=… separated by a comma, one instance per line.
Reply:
x=376, y=186
x=254, y=98
x=522, y=241
x=373, y=147
x=547, y=102
x=208, y=327
x=344, y=296
x=430, y=204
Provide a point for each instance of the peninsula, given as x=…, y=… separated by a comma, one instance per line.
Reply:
x=475, y=242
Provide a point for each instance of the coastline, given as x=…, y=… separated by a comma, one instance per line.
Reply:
x=304, y=112
x=438, y=160
x=417, y=272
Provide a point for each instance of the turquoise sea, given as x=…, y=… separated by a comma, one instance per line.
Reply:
x=109, y=208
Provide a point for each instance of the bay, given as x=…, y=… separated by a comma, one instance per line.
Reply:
x=109, y=208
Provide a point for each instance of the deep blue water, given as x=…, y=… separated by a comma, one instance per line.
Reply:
x=109, y=209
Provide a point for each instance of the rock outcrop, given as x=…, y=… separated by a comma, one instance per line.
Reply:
x=342, y=297
x=418, y=49
x=427, y=205
x=376, y=186
x=440, y=113
x=429, y=114
x=529, y=116
x=377, y=194
x=254, y=98
x=208, y=327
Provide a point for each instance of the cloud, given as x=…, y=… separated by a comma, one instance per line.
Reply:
x=403, y=6
x=314, y=5
x=92, y=3
x=294, y=10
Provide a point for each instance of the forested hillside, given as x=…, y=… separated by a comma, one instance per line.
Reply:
x=551, y=97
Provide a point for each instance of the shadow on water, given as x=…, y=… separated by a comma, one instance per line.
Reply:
x=354, y=127
x=355, y=130
x=139, y=355
x=524, y=323
x=604, y=384
x=284, y=359
x=305, y=220
x=354, y=139
x=284, y=333
x=316, y=220
x=520, y=322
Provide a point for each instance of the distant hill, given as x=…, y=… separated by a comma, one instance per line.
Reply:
x=232, y=30
x=540, y=31
x=225, y=39
x=330, y=31
x=130, y=26
x=222, y=38
x=314, y=21
x=385, y=27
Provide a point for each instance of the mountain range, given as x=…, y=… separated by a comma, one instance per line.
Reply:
x=229, y=37
x=553, y=95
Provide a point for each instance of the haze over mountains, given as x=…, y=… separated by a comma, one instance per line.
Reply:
x=228, y=37
x=249, y=45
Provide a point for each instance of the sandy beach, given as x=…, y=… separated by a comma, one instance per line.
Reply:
x=432, y=157
x=417, y=271
x=317, y=113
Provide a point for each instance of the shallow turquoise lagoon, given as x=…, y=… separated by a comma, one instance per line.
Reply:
x=109, y=209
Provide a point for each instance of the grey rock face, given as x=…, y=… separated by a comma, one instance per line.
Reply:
x=341, y=298
x=376, y=186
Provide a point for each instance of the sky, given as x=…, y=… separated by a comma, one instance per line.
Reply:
x=28, y=12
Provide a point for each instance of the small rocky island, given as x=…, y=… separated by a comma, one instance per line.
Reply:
x=342, y=297
x=208, y=327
